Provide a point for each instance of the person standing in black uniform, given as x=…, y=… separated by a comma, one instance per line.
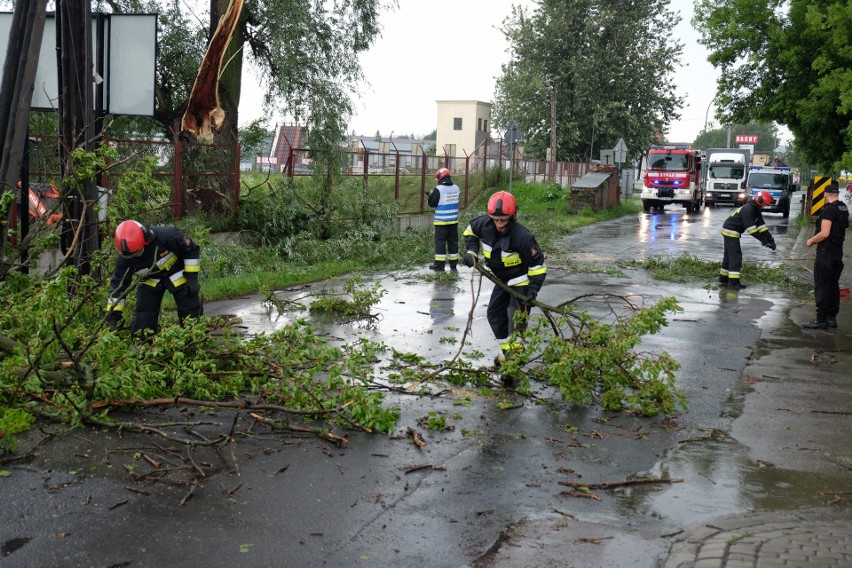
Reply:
x=445, y=199
x=745, y=219
x=830, y=233
x=165, y=259
x=514, y=257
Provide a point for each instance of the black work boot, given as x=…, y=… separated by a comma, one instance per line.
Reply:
x=816, y=324
x=453, y=264
x=723, y=280
x=832, y=323
x=735, y=284
x=437, y=266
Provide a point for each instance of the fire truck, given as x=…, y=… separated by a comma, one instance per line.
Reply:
x=673, y=175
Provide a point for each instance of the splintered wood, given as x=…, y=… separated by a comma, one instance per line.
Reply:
x=204, y=115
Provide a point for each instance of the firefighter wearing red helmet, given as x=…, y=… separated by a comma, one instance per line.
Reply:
x=744, y=220
x=164, y=258
x=445, y=199
x=512, y=254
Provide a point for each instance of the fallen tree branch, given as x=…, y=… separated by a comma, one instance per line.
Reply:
x=611, y=484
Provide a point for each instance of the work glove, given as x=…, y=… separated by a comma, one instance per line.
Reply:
x=531, y=295
x=191, y=288
x=112, y=320
x=469, y=259
x=771, y=245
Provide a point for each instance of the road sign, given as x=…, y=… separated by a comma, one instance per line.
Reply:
x=620, y=151
x=513, y=135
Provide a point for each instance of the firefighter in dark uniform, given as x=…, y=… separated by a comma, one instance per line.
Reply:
x=512, y=254
x=445, y=199
x=830, y=233
x=745, y=219
x=165, y=259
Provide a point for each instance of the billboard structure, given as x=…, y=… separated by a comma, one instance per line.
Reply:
x=124, y=49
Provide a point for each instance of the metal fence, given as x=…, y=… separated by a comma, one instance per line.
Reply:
x=202, y=177
x=206, y=178
x=418, y=166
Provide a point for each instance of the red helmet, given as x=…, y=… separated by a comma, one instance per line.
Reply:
x=130, y=236
x=441, y=174
x=501, y=204
x=763, y=198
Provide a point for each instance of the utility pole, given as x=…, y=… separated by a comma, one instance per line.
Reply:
x=80, y=234
x=513, y=135
x=552, y=130
x=16, y=91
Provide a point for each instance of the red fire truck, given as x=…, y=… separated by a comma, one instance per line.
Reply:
x=673, y=175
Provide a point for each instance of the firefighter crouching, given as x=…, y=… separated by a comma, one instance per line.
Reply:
x=745, y=219
x=165, y=259
x=514, y=257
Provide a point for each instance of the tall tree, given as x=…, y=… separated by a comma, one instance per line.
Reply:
x=787, y=62
x=610, y=68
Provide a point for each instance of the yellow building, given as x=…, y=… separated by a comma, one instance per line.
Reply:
x=462, y=127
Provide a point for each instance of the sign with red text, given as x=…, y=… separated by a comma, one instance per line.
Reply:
x=746, y=139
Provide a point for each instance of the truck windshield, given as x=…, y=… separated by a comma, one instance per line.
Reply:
x=727, y=172
x=670, y=162
x=767, y=180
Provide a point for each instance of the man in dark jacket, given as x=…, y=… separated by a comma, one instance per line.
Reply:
x=445, y=199
x=745, y=219
x=830, y=234
x=165, y=259
x=514, y=257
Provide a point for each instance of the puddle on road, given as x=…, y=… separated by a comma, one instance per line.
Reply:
x=720, y=479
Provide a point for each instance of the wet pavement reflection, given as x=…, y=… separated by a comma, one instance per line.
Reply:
x=486, y=492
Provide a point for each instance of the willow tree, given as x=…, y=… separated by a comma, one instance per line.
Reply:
x=608, y=68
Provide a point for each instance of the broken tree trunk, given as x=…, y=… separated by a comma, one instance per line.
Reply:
x=204, y=114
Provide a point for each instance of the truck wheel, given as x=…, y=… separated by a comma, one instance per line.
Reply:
x=689, y=206
x=646, y=205
x=785, y=211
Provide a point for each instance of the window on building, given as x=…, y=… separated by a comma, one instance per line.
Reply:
x=485, y=126
x=457, y=123
x=479, y=125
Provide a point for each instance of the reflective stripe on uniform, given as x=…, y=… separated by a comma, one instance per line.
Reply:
x=730, y=233
x=522, y=280
x=167, y=261
x=192, y=265
x=486, y=250
x=536, y=270
x=178, y=278
x=115, y=304
x=510, y=259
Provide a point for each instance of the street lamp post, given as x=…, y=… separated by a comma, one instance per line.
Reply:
x=707, y=113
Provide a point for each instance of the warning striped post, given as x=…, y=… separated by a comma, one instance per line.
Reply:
x=818, y=196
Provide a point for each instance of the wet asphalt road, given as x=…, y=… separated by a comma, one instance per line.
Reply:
x=485, y=493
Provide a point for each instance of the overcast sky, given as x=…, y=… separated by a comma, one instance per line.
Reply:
x=412, y=65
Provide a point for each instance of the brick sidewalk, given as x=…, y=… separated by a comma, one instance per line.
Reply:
x=812, y=538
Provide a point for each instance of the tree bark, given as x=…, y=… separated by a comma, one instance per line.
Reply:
x=205, y=115
x=76, y=128
x=16, y=92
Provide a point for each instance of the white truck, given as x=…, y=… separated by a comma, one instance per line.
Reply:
x=725, y=176
x=779, y=181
